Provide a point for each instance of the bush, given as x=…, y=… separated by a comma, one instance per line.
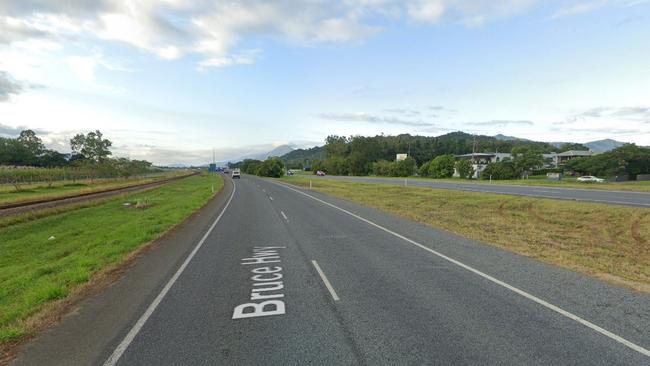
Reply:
x=404, y=168
x=465, y=169
x=499, y=171
x=382, y=168
x=442, y=166
x=271, y=167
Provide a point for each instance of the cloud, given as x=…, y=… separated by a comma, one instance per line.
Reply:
x=585, y=6
x=403, y=111
x=501, y=123
x=369, y=118
x=220, y=32
x=9, y=86
x=605, y=130
x=11, y=131
x=628, y=113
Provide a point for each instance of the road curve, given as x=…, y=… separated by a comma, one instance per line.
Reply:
x=628, y=198
x=357, y=287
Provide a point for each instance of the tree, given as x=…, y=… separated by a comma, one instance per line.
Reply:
x=465, y=169
x=442, y=166
x=33, y=146
x=572, y=146
x=501, y=170
x=404, y=168
x=92, y=146
x=425, y=169
x=271, y=167
x=526, y=158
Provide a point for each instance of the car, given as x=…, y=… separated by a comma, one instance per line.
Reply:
x=320, y=173
x=590, y=178
x=289, y=172
x=236, y=174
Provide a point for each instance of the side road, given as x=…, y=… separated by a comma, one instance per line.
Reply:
x=629, y=198
x=124, y=301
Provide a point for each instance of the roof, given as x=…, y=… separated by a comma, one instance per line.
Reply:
x=576, y=153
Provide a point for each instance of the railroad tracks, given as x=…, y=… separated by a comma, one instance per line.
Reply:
x=20, y=207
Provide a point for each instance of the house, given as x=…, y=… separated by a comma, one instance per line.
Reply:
x=563, y=157
x=480, y=161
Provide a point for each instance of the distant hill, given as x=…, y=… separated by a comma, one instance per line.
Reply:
x=501, y=137
x=301, y=157
x=600, y=145
x=604, y=145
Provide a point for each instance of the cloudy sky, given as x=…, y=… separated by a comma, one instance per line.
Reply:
x=170, y=80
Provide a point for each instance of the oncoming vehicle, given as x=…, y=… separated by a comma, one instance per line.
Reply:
x=590, y=178
x=236, y=174
x=320, y=173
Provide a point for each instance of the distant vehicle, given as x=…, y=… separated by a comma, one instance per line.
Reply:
x=236, y=174
x=320, y=173
x=590, y=178
x=289, y=172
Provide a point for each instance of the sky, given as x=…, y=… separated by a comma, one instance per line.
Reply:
x=170, y=81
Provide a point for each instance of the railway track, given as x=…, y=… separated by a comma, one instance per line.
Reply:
x=20, y=207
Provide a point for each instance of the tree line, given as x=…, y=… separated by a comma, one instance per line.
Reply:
x=435, y=157
x=271, y=167
x=26, y=159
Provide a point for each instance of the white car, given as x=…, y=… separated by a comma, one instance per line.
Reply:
x=590, y=178
x=236, y=174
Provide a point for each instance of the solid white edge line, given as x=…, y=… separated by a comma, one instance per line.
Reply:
x=326, y=281
x=121, y=348
x=523, y=293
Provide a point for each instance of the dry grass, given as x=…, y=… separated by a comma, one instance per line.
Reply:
x=607, y=241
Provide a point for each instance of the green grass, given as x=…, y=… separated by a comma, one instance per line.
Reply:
x=32, y=192
x=643, y=186
x=36, y=270
x=607, y=241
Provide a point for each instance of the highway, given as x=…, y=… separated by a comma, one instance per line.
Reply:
x=628, y=198
x=275, y=275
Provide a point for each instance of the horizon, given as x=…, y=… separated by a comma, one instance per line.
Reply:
x=170, y=81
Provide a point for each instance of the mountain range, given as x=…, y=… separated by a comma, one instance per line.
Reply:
x=290, y=151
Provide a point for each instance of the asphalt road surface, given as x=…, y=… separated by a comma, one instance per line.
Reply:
x=293, y=277
x=641, y=199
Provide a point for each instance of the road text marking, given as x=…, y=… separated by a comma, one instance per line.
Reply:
x=264, y=279
x=523, y=293
x=154, y=304
x=326, y=281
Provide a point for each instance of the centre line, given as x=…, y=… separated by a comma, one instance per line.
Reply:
x=326, y=281
x=546, y=304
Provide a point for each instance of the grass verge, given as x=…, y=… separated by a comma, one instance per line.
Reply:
x=632, y=186
x=33, y=192
x=45, y=260
x=606, y=241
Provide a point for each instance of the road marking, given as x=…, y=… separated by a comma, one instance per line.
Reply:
x=326, y=281
x=285, y=216
x=121, y=348
x=263, y=190
x=523, y=293
x=271, y=198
